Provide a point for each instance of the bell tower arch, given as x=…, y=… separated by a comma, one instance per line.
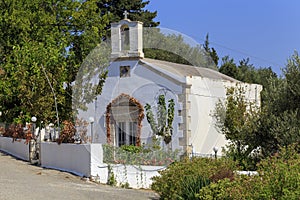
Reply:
x=127, y=39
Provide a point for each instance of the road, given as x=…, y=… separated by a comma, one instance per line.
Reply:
x=20, y=180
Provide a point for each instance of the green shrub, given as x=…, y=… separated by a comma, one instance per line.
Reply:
x=279, y=178
x=280, y=175
x=131, y=155
x=171, y=183
x=191, y=187
x=111, y=177
x=216, y=191
x=132, y=148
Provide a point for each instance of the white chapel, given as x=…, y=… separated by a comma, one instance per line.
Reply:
x=134, y=81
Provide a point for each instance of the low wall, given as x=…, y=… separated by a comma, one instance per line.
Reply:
x=135, y=176
x=80, y=159
x=17, y=148
x=84, y=160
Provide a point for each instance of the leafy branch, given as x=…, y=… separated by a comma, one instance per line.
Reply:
x=162, y=125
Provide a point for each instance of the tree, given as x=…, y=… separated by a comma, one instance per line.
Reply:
x=237, y=118
x=281, y=118
x=246, y=71
x=56, y=35
x=136, y=9
x=292, y=77
x=274, y=125
x=211, y=51
x=228, y=67
x=172, y=47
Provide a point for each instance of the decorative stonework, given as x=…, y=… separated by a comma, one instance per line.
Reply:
x=110, y=118
x=185, y=126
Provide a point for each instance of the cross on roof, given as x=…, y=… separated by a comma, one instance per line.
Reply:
x=125, y=14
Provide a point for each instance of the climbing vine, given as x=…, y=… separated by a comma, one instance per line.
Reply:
x=162, y=126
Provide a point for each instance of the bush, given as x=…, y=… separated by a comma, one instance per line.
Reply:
x=17, y=131
x=171, y=184
x=132, y=155
x=67, y=135
x=216, y=191
x=279, y=178
x=132, y=148
x=72, y=133
x=191, y=186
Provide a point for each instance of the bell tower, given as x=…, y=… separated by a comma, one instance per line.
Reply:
x=127, y=39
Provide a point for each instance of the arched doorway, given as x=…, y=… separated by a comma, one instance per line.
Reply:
x=124, y=117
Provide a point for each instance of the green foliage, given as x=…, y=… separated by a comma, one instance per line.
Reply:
x=161, y=114
x=132, y=155
x=132, y=148
x=246, y=72
x=216, y=191
x=150, y=118
x=161, y=54
x=171, y=182
x=211, y=51
x=163, y=125
x=191, y=187
x=172, y=47
x=84, y=91
x=278, y=123
x=228, y=67
x=135, y=8
x=56, y=35
x=258, y=133
x=111, y=177
x=170, y=118
x=237, y=119
x=125, y=185
x=278, y=179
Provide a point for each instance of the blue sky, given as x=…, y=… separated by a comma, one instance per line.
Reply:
x=266, y=31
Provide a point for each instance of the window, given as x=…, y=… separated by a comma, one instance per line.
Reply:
x=121, y=133
x=125, y=43
x=132, y=133
x=126, y=134
x=179, y=112
x=124, y=71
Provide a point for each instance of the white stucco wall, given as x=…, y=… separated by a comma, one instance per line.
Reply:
x=80, y=159
x=17, y=148
x=87, y=160
x=143, y=85
x=135, y=176
x=203, y=96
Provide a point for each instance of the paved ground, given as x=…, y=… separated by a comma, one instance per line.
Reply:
x=20, y=180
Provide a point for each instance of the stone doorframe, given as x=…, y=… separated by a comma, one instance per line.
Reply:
x=110, y=120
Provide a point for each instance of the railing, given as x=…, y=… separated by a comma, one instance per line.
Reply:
x=202, y=155
x=116, y=155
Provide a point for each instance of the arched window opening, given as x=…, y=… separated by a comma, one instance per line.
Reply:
x=124, y=117
x=125, y=43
